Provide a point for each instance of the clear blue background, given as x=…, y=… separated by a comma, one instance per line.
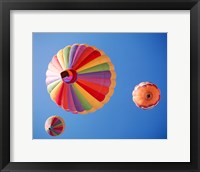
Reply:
x=137, y=57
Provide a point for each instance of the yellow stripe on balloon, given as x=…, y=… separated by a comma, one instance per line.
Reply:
x=61, y=59
x=55, y=91
x=98, y=60
x=111, y=66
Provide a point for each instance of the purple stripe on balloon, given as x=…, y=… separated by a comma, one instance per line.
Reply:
x=77, y=103
x=94, y=75
x=78, y=53
x=70, y=102
x=72, y=53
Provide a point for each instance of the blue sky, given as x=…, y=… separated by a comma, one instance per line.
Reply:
x=137, y=57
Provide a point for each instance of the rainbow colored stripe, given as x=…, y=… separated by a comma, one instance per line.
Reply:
x=80, y=78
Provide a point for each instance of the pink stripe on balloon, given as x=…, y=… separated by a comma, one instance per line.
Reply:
x=52, y=68
x=56, y=63
x=49, y=80
x=50, y=74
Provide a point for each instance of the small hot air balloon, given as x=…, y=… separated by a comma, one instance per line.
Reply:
x=54, y=125
x=80, y=78
x=146, y=95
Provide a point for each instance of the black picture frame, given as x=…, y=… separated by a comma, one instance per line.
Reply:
x=7, y=5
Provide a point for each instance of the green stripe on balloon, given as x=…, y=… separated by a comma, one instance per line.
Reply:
x=85, y=104
x=51, y=86
x=66, y=52
x=98, y=68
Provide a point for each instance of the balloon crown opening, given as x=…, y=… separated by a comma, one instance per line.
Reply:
x=149, y=96
x=69, y=76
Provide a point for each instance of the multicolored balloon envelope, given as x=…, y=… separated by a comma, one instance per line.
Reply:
x=54, y=125
x=80, y=78
x=146, y=95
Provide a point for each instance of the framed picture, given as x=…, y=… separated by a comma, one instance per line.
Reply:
x=101, y=86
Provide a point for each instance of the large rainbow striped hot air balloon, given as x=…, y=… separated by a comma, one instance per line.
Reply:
x=80, y=78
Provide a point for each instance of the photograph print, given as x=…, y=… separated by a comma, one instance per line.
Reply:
x=99, y=85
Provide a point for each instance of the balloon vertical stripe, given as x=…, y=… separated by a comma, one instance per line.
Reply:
x=76, y=101
x=66, y=52
x=78, y=53
x=72, y=54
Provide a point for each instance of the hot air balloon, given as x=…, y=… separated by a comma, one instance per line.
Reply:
x=80, y=78
x=54, y=125
x=146, y=95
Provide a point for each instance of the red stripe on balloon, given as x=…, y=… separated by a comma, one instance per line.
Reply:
x=64, y=97
x=59, y=95
x=58, y=130
x=101, y=81
x=85, y=53
x=53, y=121
x=78, y=53
x=56, y=122
x=89, y=58
x=97, y=87
x=51, y=133
x=100, y=97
